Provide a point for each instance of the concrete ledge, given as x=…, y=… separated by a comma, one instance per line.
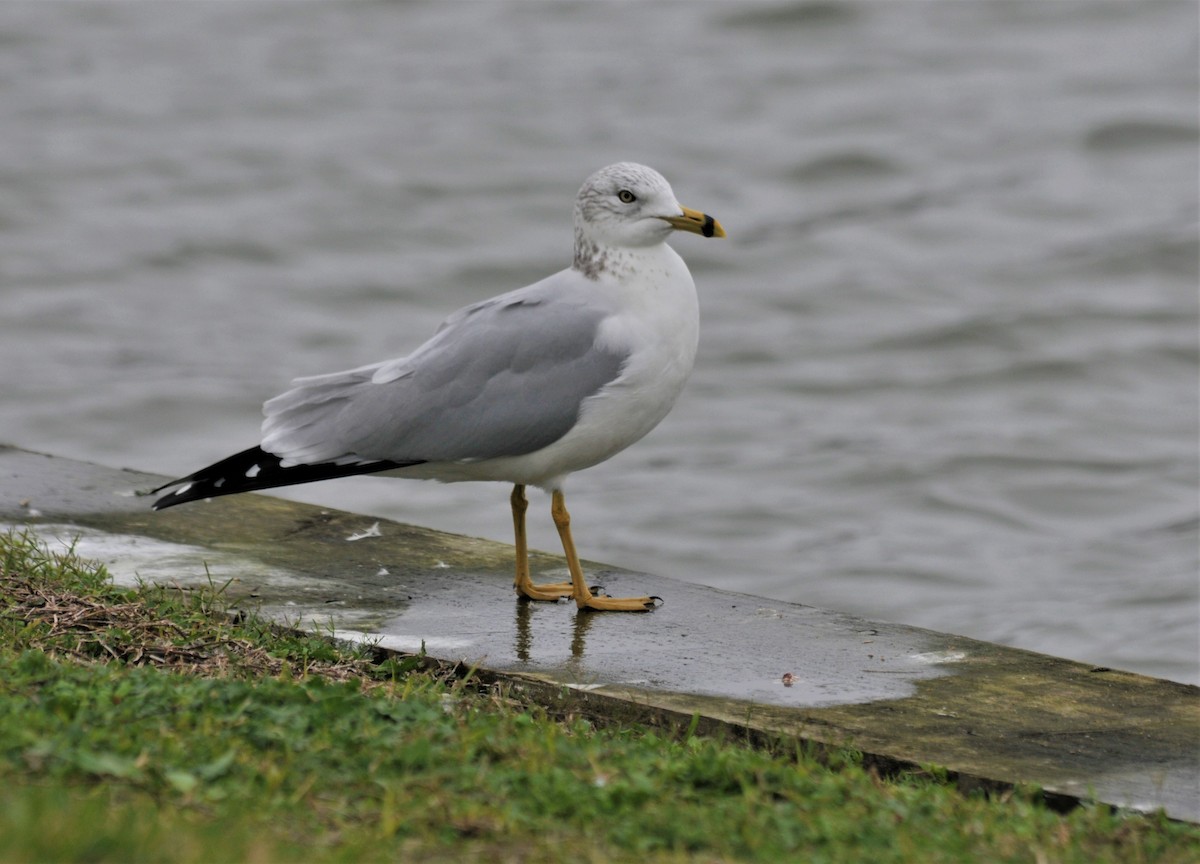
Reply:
x=993, y=716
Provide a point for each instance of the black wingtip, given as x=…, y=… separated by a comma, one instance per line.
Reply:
x=255, y=469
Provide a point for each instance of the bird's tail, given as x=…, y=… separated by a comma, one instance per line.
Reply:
x=256, y=469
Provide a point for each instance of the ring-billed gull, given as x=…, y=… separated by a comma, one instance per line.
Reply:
x=524, y=388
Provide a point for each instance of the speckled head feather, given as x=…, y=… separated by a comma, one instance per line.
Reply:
x=622, y=205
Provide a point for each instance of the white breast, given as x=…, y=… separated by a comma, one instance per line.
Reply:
x=659, y=324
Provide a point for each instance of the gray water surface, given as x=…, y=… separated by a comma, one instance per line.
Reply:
x=948, y=365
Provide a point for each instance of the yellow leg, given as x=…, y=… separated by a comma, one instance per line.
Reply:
x=584, y=598
x=523, y=584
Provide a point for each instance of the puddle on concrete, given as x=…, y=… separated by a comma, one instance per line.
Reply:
x=694, y=643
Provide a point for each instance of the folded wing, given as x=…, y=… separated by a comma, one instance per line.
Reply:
x=502, y=378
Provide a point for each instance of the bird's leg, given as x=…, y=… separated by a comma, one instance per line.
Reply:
x=584, y=598
x=523, y=583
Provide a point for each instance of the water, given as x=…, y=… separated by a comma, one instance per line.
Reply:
x=948, y=367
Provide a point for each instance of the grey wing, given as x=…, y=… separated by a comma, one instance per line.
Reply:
x=501, y=378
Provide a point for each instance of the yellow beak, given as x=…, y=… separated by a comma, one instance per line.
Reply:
x=696, y=222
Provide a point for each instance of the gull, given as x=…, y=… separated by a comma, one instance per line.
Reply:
x=525, y=388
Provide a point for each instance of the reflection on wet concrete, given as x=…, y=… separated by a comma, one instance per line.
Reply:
x=700, y=641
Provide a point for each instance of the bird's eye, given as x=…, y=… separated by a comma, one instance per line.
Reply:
x=626, y=197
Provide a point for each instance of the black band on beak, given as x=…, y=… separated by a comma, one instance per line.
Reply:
x=707, y=228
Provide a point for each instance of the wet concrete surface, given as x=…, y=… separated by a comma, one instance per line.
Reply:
x=904, y=696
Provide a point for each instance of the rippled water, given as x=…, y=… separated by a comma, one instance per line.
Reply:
x=948, y=371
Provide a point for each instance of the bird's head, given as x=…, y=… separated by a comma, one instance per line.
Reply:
x=630, y=205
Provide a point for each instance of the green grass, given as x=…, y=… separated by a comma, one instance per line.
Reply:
x=151, y=726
